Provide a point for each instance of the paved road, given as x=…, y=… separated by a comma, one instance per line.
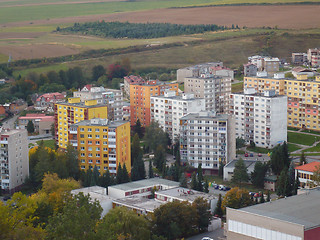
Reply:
x=10, y=123
x=216, y=235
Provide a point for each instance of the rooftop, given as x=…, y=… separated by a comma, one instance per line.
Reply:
x=309, y=167
x=205, y=115
x=248, y=163
x=139, y=202
x=303, y=209
x=184, y=194
x=145, y=183
x=99, y=122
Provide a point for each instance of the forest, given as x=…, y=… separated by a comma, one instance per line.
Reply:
x=137, y=30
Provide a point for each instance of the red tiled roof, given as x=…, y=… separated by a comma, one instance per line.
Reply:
x=309, y=167
x=41, y=116
x=51, y=96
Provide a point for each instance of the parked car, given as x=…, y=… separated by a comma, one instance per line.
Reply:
x=227, y=188
x=216, y=186
x=246, y=155
x=221, y=187
x=252, y=194
x=257, y=195
x=259, y=155
x=206, y=238
x=251, y=154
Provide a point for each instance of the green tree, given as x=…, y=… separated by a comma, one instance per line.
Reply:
x=151, y=175
x=316, y=175
x=206, y=186
x=138, y=129
x=175, y=220
x=77, y=219
x=296, y=186
x=119, y=177
x=262, y=200
x=183, y=181
x=203, y=213
x=72, y=162
x=194, y=182
x=98, y=71
x=199, y=178
x=125, y=174
x=283, y=184
x=122, y=223
x=135, y=148
x=303, y=159
x=154, y=137
x=240, y=142
x=280, y=158
x=218, y=210
x=258, y=174
x=160, y=157
x=30, y=127
x=268, y=196
x=240, y=173
x=138, y=171
x=220, y=173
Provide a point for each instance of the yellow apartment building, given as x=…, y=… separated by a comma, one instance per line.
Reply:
x=102, y=143
x=72, y=112
x=261, y=84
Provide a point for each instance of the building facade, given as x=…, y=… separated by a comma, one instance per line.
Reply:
x=299, y=58
x=14, y=159
x=42, y=123
x=102, y=143
x=262, y=82
x=249, y=70
x=207, y=139
x=113, y=98
x=169, y=108
x=260, y=118
x=74, y=111
x=48, y=100
x=140, y=101
x=131, y=80
x=305, y=174
x=215, y=91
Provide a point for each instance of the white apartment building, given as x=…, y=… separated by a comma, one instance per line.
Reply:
x=14, y=159
x=215, y=90
x=112, y=97
x=169, y=108
x=260, y=117
x=208, y=139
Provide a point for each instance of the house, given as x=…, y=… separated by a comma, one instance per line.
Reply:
x=48, y=100
x=229, y=168
x=270, y=182
x=302, y=71
x=131, y=80
x=305, y=173
x=249, y=70
x=41, y=122
x=17, y=106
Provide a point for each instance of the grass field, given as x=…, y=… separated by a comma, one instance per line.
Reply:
x=293, y=147
x=48, y=143
x=311, y=131
x=237, y=87
x=313, y=149
x=301, y=138
x=259, y=150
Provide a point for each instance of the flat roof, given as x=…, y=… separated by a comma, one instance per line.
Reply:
x=248, y=163
x=81, y=104
x=145, y=183
x=205, y=115
x=180, y=98
x=109, y=123
x=95, y=192
x=139, y=202
x=184, y=194
x=303, y=209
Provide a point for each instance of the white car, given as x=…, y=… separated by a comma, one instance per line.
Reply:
x=206, y=238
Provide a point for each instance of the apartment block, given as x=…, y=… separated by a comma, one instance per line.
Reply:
x=207, y=139
x=260, y=118
x=299, y=58
x=74, y=111
x=249, y=70
x=169, y=108
x=42, y=123
x=140, y=102
x=14, y=159
x=303, y=102
x=196, y=70
x=268, y=64
x=131, y=80
x=313, y=56
x=262, y=82
x=113, y=98
x=215, y=90
x=102, y=143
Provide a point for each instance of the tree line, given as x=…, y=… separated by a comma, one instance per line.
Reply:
x=137, y=30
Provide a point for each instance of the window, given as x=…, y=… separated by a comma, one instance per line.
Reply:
x=89, y=136
x=89, y=130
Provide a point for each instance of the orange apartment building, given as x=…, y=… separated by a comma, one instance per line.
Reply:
x=140, y=99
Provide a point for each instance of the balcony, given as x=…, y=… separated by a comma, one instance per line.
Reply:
x=112, y=165
x=111, y=133
x=112, y=159
x=111, y=146
x=113, y=171
x=4, y=142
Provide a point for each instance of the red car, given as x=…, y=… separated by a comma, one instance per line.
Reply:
x=259, y=155
x=246, y=155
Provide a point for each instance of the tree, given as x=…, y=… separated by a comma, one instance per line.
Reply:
x=72, y=162
x=151, y=175
x=203, y=213
x=206, y=186
x=135, y=148
x=283, y=184
x=218, y=210
x=258, y=174
x=296, y=186
x=194, y=183
x=303, y=159
x=262, y=200
x=138, y=171
x=30, y=127
x=159, y=157
x=280, y=158
x=199, y=178
x=240, y=173
x=220, y=173
x=316, y=175
x=122, y=223
x=236, y=198
x=77, y=219
x=138, y=129
x=175, y=220
x=98, y=71
x=154, y=137
x=240, y=142
x=125, y=174
x=268, y=196
x=119, y=177
x=183, y=181
x=17, y=219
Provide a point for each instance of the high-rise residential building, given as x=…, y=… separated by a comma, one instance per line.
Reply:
x=113, y=98
x=128, y=80
x=72, y=112
x=140, y=95
x=215, y=90
x=169, y=108
x=102, y=143
x=207, y=139
x=299, y=58
x=268, y=64
x=262, y=82
x=313, y=56
x=260, y=118
x=303, y=102
x=197, y=70
x=14, y=159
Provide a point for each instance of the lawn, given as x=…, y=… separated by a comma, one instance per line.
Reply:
x=293, y=129
x=237, y=87
x=311, y=131
x=293, y=147
x=301, y=138
x=48, y=143
x=259, y=150
x=313, y=149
